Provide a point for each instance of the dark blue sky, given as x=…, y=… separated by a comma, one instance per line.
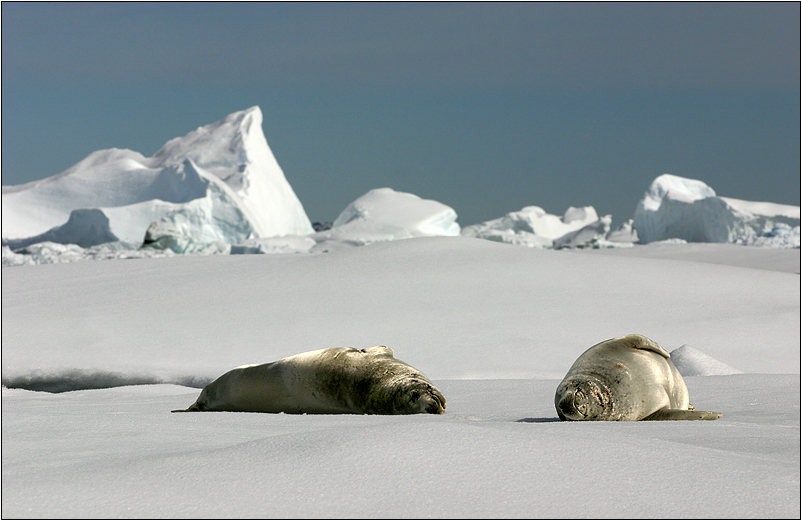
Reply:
x=487, y=107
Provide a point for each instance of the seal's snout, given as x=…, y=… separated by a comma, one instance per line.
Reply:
x=432, y=402
x=567, y=406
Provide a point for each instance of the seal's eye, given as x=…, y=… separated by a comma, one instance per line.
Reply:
x=581, y=402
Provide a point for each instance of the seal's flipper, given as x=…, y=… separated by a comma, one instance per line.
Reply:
x=682, y=414
x=635, y=341
x=378, y=350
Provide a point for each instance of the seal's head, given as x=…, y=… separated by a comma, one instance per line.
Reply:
x=424, y=398
x=406, y=396
x=584, y=399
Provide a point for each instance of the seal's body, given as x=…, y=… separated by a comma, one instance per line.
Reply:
x=339, y=380
x=626, y=379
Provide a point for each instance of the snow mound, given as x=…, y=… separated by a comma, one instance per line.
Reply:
x=220, y=182
x=533, y=227
x=65, y=380
x=692, y=362
x=384, y=215
x=675, y=207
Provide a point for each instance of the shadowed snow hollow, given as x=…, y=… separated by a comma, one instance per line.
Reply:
x=220, y=182
x=679, y=208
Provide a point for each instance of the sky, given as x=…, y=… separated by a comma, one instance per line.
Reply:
x=485, y=107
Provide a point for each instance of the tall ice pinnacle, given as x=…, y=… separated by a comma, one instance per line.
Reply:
x=236, y=151
x=226, y=167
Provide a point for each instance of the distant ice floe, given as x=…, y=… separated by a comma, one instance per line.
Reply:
x=692, y=362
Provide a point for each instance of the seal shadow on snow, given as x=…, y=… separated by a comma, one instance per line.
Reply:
x=538, y=420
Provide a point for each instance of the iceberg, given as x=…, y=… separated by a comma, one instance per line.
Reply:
x=591, y=235
x=678, y=208
x=219, y=183
x=383, y=215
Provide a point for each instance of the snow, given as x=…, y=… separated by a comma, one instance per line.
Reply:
x=496, y=453
x=692, y=362
x=222, y=177
x=675, y=207
x=775, y=259
x=494, y=326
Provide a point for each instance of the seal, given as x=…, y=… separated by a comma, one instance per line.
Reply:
x=338, y=380
x=625, y=379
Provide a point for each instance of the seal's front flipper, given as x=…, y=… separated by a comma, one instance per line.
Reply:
x=682, y=414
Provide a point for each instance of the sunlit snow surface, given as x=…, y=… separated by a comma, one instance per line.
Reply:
x=494, y=326
x=497, y=452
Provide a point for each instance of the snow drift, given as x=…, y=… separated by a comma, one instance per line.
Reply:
x=688, y=209
x=692, y=362
x=220, y=182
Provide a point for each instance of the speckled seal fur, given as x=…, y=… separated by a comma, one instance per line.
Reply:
x=625, y=379
x=338, y=380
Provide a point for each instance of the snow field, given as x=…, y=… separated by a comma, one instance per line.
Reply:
x=470, y=314
x=499, y=451
x=453, y=307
